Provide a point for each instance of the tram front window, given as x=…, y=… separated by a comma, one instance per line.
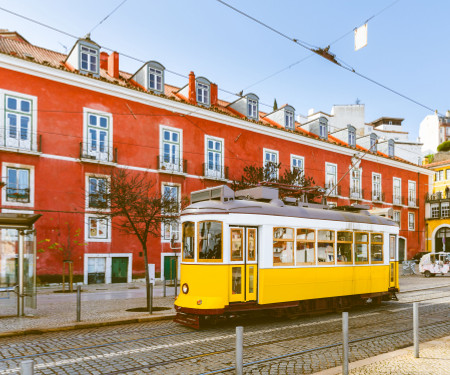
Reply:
x=361, y=247
x=210, y=240
x=325, y=246
x=188, y=240
x=376, y=247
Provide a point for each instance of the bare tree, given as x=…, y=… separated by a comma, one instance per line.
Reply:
x=136, y=206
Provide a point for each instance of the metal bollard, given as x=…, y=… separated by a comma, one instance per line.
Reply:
x=176, y=286
x=150, y=301
x=416, y=328
x=345, y=343
x=239, y=350
x=27, y=367
x=164, y=287
x=78, y=303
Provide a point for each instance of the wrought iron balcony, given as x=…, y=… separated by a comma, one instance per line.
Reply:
x=356, y=193
x=28, y=142
x=398, y=200
x=99, y=151
x=377, y=196
x=215, y=172
x=332, y=190
x=438, y=196
x=412, y=202
x=171, y=165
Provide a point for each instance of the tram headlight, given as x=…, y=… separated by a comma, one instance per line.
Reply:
x=185, y=288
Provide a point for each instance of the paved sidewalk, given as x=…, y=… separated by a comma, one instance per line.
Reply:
x=101, y=304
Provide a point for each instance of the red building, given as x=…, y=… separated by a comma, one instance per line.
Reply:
x=67, y=121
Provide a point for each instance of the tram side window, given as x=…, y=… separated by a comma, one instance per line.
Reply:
x=361, y=247
x=188, y=240
x=283, y=246
x=325, y=246
x=306, y=244
x=344, y=247
x=376, y=247
x=210, y=240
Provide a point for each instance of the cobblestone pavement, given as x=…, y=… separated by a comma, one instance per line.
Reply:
x=307, y=344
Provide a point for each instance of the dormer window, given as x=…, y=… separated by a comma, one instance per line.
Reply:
x=323, y=128
x=351, y=136
x=252, y=107
x=89, y=59
x=289, y=120
x=391, y=148
x=373, y=143
x=155, y=76
x=203, y=91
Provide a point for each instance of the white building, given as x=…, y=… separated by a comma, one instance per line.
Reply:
x=434, y=130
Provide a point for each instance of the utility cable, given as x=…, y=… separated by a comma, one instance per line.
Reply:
x=323, y=52
x=104, y=19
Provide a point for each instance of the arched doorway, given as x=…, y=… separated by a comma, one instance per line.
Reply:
x=442, y=240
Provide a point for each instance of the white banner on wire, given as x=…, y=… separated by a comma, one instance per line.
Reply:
x=361, y=37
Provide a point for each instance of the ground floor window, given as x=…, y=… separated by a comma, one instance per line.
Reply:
x=108, y=268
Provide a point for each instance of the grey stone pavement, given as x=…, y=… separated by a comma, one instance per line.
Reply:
x=108, y=304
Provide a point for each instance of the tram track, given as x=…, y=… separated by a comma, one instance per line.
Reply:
x=376, y=311
x=336, y=330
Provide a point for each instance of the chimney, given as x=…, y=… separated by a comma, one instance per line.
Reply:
x=104, y=60
x=214, y=94
x=192, y=93
x=113, y=65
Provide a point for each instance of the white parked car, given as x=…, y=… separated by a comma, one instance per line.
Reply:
x=433, y=264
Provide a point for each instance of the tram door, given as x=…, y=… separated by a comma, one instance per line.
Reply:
x=243, y=269
x=393, y=261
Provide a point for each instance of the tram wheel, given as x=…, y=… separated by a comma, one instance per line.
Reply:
x=427, y=273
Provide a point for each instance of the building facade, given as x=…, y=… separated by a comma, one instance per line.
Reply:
x=434, y=129
x=438, y=205
x=67, y=121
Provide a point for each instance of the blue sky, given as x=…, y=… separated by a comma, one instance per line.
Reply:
x=407, y=47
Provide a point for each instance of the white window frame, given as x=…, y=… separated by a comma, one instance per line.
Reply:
x=396, y=199
x=87, y=190
x=174, y=227
x=87, y=237
x=413, y=221
x=252, y=108
x=445, y=209
x=391, y=148
x=203, y=92
x=399, y=214
x=374, y=189
x=356, y=193
x=274, y=153
x=323, y=128
x=351, y=136
x=91, y=52
x=97, y=155
x=175, y=167
x=373, y=139
x=158, y=75
x=295, y=159
x=435, y=210
x=25, y=146
x=289, y=122
x=214, y=173
x=331, y=185
x=412, y=197
x=30, y=168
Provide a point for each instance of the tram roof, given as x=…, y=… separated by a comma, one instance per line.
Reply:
x=277, y=208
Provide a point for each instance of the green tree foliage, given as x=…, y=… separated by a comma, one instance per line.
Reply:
x=444, y=146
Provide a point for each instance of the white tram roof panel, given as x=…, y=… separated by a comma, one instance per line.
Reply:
x=277, y=208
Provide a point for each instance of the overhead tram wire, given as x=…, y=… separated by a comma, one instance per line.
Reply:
x=323, y=52
x=110, y=13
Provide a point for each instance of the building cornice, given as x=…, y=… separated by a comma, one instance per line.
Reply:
x=111, y=89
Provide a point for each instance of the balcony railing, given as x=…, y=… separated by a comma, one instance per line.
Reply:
x=215, y=172
x=356, y=193
x=378, y=196
x=30, y=142
x=332, y=190
x=171, y=165
x=398, y=200
x=412, y=202
x=436, y=197
x=18, y=195
x=98, y=152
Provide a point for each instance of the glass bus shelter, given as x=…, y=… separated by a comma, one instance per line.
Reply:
x=18, y=261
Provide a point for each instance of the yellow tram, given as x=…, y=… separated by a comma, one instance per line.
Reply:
x=248, y=250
